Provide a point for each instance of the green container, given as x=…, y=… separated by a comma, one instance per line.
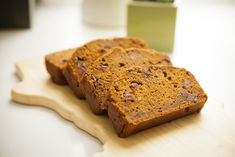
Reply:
x=154, y=22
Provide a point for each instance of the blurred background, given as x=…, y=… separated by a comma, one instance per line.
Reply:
x=201, y=39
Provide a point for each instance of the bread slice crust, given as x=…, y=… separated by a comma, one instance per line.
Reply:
x=55, y=63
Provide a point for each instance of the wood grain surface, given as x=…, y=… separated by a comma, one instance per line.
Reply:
x=210, y=133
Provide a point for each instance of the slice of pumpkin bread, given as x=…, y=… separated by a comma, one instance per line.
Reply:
x=98, y=77
x=88, y=53
x=55, y=62
x=143, y=98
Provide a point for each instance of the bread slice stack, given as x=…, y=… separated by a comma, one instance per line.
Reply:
x=136, y=86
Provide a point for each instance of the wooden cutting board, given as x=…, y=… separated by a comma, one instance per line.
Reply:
x=209, y=133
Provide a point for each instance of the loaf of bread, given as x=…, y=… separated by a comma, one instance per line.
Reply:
x=56, y=62
x=98, y=76
x=138, y=87
x=142, y=98
x=87, y=54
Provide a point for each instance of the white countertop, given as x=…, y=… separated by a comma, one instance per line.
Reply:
x=205, y=44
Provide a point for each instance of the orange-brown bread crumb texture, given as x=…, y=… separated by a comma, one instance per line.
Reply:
x=98, y=77
x=138, y=101
x=88, y=53
x=56, y=62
